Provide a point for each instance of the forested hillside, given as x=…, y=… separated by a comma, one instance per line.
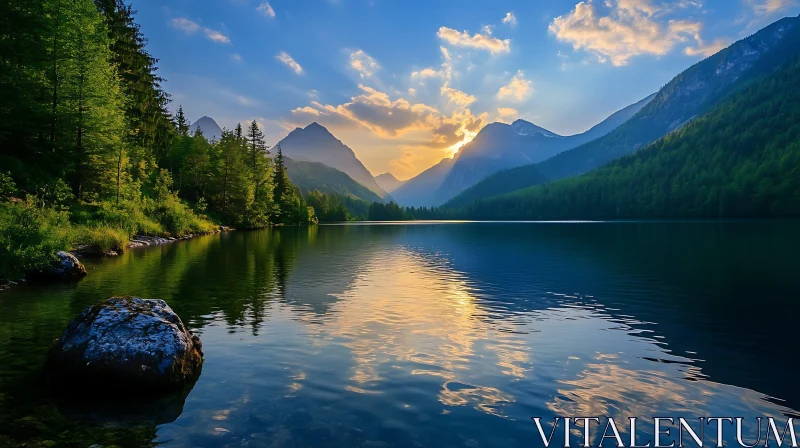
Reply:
x=740, y=160
x=499, y=183
x=310, y=176
x=686, y=97
x=89, y=153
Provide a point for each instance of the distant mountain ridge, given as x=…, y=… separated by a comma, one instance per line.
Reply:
x=418, y=191
x=688, y=95
x=388, y=182
x=499, y=146
x=739, y=160
x=315, y=143
x=684, y=98
x=209, y=127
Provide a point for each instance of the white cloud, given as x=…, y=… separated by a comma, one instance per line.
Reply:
x=769, y=7
x=387, y=118
x=290, y=62
x=707, y=49
x=411, y=91
x=476, y=41
x=623, y=29
x=216, y=36
x=425, y=73
x=191, y=27
x=266, y=9
x=236, y=57
x=363, y=63
x=305, y=110
x=456, y=96
x=184, y=25
x=507, y=112
x=517, y=89
x=510, y=19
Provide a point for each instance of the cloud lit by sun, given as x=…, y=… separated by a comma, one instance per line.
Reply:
x=468, y=136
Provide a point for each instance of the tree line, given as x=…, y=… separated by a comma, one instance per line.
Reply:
x=87, y=141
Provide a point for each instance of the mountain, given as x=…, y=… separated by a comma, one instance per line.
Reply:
x=417, y=191
x=209, y=127
x=499, y=146
x=739, y=160
x=686, y=97
x=314, y=143
x=388, y=182
x=498, y=183
x=310, y=176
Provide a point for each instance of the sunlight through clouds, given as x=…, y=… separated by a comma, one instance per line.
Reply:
x=506, y=114
x=363, y=63
x=476, y=41
x=767, y=7
x=623, y=29
x=457, y=97
x=517, y=89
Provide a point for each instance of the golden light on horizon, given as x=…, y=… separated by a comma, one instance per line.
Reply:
x=468, y=136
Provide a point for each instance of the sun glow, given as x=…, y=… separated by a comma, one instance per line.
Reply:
x=468, y=136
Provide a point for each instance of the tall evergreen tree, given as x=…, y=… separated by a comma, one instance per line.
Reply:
x=256, y=145
x=24, y=30
x=181, y=123
x=283, y=190
x=149, y=122
x=87, y=125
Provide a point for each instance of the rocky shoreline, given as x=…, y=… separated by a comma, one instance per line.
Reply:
x=142, y=241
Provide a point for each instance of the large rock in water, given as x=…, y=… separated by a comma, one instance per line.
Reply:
x=128, y=344
x=66, y=267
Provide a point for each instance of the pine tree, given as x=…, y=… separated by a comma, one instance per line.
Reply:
x=87, y=124
x=234, y=197
x=24, y=32
x=256, y=145
x=181, y=123
x=149, y=122
x=282, y=188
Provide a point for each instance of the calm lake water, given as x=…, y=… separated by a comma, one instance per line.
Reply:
x=431, y=335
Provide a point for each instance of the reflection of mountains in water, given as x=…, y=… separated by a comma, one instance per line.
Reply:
x=484, y=281
x=693, y=285
x=696, y=282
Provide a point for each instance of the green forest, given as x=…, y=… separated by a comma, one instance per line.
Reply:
x=90, y=154
x=740, y=160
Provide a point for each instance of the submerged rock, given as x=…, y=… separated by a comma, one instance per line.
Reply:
x=66, y=267
x=129, y=344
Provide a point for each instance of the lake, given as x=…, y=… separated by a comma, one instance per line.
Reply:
x=431, y=334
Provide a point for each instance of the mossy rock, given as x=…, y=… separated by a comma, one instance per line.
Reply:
x=127, y=344
x=65, y=267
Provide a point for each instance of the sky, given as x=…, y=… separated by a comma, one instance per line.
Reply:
x=405, y=83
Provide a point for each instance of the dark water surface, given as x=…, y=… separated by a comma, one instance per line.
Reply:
x=434, y=335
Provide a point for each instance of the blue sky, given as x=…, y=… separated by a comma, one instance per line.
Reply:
x=405, y=83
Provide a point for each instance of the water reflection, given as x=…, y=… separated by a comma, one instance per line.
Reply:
x=434, y=335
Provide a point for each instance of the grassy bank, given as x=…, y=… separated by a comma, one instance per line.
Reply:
x=34, y=228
